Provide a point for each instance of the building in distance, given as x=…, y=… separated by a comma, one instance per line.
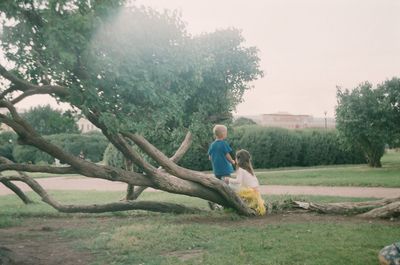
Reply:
x=292, y=121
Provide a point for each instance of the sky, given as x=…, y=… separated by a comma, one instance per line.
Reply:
x=307, y=47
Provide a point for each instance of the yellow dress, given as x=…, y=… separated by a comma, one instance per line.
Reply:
x=246, y=185
x=253, y=199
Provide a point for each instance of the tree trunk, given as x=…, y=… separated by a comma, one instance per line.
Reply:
x=134, y=192
x=174, y=179
x=372, y=209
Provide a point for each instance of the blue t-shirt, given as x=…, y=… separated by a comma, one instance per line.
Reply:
x=218, y=150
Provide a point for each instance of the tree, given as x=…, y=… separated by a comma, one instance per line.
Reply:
x=363, y=120
x=391, y=89
x=134, y=73
x=47, y=121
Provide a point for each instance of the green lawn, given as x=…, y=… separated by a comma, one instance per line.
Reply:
x=138, y=237
x=341, y=175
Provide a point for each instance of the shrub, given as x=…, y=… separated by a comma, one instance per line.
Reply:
x=92, y=145
x=276, y=147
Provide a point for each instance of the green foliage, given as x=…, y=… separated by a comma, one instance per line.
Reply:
x=92, y=146
x=276, y=147
x=47, y=121
x=113, y=157
x=138, y=68
x=365, y=121
x=30, y=154
x=196, y=158
x=391, y=89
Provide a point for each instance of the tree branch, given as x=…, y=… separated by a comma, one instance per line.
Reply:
x=100, y=208
x=16, y=190
x=183, y=148
x=231, y=199
x=28, y=88
x=47, y=89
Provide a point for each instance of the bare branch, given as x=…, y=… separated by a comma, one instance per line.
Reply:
x=119, y=142
x=185, y=145
x=28, y=88
x=16, y=190
x=47, y=89
x=134, y=193
x=21, y=84
x=35, y=168
x=203, y=179
x=100, y=208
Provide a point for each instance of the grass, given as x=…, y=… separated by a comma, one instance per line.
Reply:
x=348, y=175
x=138, y=237
x=302, y=243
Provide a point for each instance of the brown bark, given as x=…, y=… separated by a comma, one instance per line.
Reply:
x=100, y=208
x=387, y=211
x=16, y=190
x=174, y=179
x=231, y=198
x=373, y=209
x=134, y=192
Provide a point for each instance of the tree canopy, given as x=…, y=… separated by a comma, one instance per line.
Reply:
x=368, y=119
x=47, y=121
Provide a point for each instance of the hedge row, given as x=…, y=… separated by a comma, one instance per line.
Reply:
x=92, y=146
x=276, y=147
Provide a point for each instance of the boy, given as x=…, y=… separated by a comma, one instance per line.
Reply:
x=218, y=153
x=221, y=160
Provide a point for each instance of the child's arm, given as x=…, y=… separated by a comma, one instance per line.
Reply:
x=237, y=180
x=228, y=156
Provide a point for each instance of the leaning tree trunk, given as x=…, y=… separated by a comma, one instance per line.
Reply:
x=16, y=190
x=386, y=208
x=134, y=192
x=172, y=178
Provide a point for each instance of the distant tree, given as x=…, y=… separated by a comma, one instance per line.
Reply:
x=242, y=121
x=363, y=119
x=391, y=90
x=47, y=121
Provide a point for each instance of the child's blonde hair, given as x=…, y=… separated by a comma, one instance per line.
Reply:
x=219, y=130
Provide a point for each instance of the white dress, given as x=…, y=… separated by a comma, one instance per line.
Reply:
x=243, y=180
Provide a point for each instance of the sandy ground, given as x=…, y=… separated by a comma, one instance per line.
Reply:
x=73, y=183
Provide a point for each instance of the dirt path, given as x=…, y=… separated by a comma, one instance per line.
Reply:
x=41, y=244
x=74, y=183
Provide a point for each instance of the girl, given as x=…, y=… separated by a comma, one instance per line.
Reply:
x=246, y=183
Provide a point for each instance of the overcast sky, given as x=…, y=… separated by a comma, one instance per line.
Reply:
x=307, y=47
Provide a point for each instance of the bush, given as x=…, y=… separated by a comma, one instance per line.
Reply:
x=276, y=147
x=30, y=154
x=92, y=146
x=113, y=157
